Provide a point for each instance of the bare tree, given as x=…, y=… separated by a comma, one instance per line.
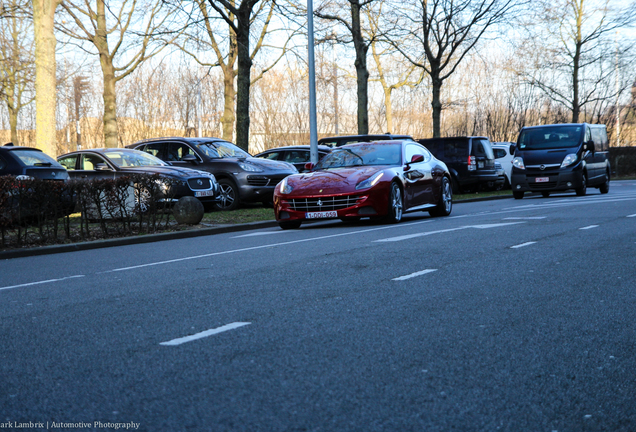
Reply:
x=445, y=31
x=573, y=47
x=16, y=68
x=99, y=25
x=205, y=37
x=350, y=15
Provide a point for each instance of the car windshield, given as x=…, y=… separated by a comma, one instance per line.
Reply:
x=362, y=155
x=222, y=149
x=550, y=137
x=34, y=158
x=133, y=158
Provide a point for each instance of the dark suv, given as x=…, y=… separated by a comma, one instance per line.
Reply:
x=470, y=160
x=241, y=177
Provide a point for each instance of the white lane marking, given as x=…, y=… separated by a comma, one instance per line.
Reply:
x=525, y=218
x=262, y=233
x=262, y=247
x=41, y=282
x=412, y=275
x=522, y=245
x=422, y=234
x=634, y=215
x=589, y=227
x=203, y=334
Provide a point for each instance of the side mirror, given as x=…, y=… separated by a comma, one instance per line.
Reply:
x=513, y=149
x=101, y=167
x=309, y=166
x=189, y=158
x=589, y=146
x=414, y=159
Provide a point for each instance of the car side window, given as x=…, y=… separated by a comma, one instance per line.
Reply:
x=89, y=162
x=272, y=156
x=499, y=153
x=69, y=162
x=154, y=149
x=296, y=156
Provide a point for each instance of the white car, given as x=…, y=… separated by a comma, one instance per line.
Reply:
x=504, y=157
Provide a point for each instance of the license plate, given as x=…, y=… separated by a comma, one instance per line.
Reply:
x=480, y=164
x=320, y=215
x=542, y=179
x=204, y=193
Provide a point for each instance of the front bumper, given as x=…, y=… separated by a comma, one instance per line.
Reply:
x=554, y=179
x=258, y=187
x=369, y=203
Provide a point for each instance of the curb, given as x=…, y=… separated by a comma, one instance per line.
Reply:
x=151, y=238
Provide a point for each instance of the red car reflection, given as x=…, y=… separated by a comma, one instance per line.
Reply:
x=380, y=180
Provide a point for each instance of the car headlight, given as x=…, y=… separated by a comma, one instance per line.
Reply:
x=249, y=167
x=285, y=188
x=370, y=182
x=518, y=163
x=569, y=160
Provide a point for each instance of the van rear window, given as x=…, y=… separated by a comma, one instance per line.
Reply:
x=550, y=137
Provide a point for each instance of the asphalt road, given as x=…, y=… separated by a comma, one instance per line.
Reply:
x=508, y=315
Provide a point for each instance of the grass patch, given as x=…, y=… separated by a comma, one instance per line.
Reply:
x=241, y=215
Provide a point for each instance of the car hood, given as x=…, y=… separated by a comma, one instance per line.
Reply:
x=333, y=181
x=270, y=165
x=544, y=157
x=167, y=171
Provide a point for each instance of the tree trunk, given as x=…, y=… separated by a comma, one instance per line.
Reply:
x=243, y=80
x=576, y=63
x=13, y=123
x=229, y=93
x=108, y=70
x=43, y=22
x=437, y=104
x=389, y=109
x=361, y=69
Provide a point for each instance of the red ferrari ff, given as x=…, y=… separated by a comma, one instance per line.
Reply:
x=380, y=180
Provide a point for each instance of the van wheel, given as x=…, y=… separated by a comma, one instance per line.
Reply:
x=517, y=195
x=604, y=188
x=545, y=194
x=581, y=191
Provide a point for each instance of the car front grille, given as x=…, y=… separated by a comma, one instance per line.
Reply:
x=323, y=203
x=260, y=180
x=199, y=183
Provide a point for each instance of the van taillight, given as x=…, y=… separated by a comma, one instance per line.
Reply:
x=472, y=163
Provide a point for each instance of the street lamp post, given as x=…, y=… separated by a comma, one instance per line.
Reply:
x=313, y=130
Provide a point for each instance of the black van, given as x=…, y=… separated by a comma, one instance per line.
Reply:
x=470, y=160
x=561, y=157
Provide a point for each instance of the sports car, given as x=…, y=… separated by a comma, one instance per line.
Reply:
x=379, y=180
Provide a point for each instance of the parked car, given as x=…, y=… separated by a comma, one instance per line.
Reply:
x=378, y=180
x=338, y=141
x=25, y=199
x=111, y=163
x=470, y=160
x=561, y=157
x=296, y=155
x=28, y=162
x=503, y=155
x=241, y=177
